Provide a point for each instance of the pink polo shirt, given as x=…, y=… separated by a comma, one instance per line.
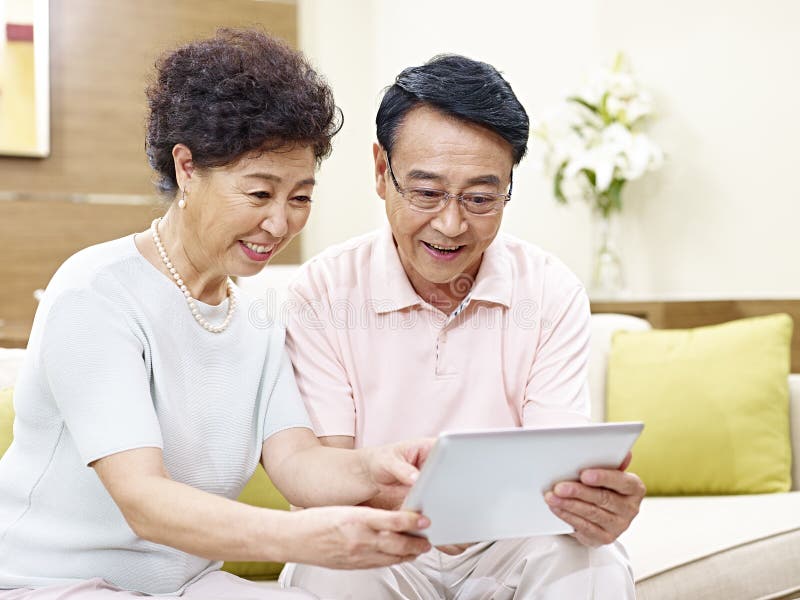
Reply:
x=375, y=361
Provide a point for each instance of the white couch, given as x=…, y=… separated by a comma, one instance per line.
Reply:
x=682, y=548
x=727, y=547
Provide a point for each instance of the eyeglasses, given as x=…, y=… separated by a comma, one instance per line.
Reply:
x=430, y=200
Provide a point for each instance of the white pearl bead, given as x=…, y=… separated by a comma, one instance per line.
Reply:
x=232, y=302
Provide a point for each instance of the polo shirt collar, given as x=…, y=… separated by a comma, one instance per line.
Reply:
x=390, y=287
x=494, y=281
x=391, y=290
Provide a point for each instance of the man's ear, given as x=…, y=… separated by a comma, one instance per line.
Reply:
x=184, y=167
x=379, y=155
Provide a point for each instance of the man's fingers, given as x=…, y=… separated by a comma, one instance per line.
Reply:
x=626, y=463
x=404, y=473
x=587, y=532
x=416, y=451
x=607, y=520
x=627, y=484
x=602, y=497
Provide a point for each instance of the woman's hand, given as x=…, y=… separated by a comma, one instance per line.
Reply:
x=454, y=549
x=341, y=537
x=393, y=469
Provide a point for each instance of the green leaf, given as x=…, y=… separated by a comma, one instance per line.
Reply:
x=615, y=195
x=607, y=120
x=583, y=102
x=557, y=184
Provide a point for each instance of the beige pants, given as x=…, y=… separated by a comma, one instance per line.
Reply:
x=216, y=585
x=541, y=568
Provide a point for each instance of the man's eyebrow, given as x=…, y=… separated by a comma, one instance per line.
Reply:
x=421, y=175
x=484, y=179
x=276, y=179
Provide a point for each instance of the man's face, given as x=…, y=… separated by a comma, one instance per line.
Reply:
x=439, y=152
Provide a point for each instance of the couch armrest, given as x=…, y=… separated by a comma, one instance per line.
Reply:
x=794, y=422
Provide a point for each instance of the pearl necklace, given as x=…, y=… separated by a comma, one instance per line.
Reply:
x=186, y=294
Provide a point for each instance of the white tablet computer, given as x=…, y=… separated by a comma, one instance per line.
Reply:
x=490, y=484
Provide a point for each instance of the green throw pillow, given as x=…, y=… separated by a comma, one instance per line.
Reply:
x=259, y=492
x=6, y=419
x=715, y=403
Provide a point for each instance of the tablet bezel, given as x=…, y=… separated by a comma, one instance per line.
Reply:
x=456, y=505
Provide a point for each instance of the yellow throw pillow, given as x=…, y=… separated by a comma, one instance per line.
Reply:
x=6, y=419
x=715, y=402
x=259, y=492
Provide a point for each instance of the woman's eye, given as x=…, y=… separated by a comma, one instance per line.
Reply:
x=260, y=195
x=301, y=200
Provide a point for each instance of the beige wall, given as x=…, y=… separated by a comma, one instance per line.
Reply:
x=720, y=219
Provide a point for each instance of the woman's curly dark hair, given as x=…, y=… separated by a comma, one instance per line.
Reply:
x=238, y=92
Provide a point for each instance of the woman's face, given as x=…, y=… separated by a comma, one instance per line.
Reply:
x=246, y=212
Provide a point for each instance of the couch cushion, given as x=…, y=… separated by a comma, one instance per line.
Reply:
x=6, y=419
x=10, y=362
x=259, y=491
x=728, y=547
x=715, y=403
x=604, y=326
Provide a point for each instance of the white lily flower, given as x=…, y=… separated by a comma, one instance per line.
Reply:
x=577, y=188
x=592, y=148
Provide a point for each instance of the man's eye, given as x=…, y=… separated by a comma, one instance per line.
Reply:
x=479, y=199
x=430, y=194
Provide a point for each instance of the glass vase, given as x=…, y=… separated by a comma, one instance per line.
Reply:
x=608, y=278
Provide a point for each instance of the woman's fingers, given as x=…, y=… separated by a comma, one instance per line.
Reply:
x=398, y=544
x=399, y=520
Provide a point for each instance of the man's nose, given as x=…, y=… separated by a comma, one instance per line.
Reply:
x=450, y=220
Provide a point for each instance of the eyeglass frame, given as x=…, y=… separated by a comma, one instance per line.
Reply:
x=447, y=195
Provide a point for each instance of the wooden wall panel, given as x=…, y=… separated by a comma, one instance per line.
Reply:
x=678, y=315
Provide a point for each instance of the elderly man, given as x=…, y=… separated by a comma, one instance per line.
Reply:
x=438, y=322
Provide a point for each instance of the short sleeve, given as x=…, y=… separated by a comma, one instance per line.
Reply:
x=557, y=391
x=94, y=365
x=321, y=376
x=285, y=408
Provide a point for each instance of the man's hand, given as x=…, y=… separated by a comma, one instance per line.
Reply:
x=601, y=505
x=393, y=469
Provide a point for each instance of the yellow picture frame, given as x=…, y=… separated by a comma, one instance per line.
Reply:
x=24, y=78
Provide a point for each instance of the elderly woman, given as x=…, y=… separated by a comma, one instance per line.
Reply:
x=143, y=365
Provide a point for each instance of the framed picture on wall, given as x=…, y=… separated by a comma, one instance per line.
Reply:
x=24, y=78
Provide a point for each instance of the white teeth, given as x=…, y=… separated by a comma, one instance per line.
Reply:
x=257, y=248
x=443, y=248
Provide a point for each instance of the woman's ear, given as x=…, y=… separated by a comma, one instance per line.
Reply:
x=184, y=167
